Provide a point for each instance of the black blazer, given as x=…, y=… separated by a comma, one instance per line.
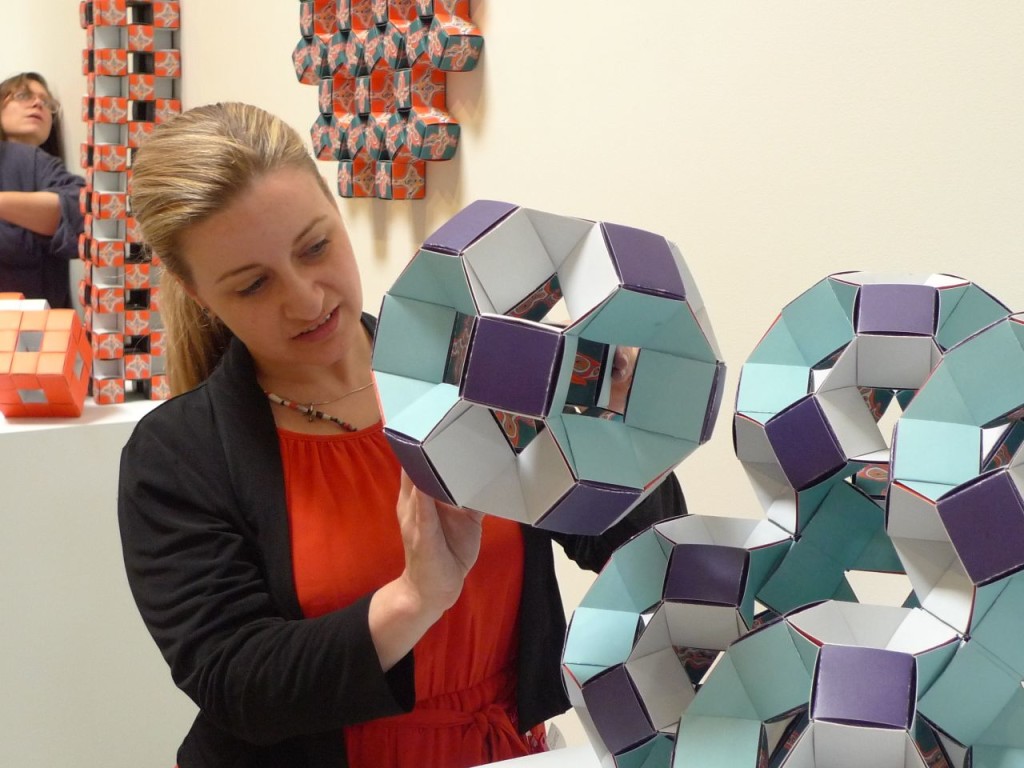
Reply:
x=204, y=531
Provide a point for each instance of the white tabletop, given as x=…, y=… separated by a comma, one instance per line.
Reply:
x=570, y=757
x=118, y=413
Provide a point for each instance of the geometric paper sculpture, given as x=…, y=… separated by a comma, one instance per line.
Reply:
x=834, y=684
x=490, y=405
x=132, y=65
x=45, y=360
x=655, y=619
x=379, y=67
x=807, y=409
x=937, y=682
x=956, y=516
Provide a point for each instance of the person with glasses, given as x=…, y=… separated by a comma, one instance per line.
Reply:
x=40, y=218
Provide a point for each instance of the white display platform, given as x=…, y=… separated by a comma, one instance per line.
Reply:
x=571, y=757
x=83, y=683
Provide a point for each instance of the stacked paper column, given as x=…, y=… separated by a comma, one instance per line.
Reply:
x=379, y=68
x=132, y=64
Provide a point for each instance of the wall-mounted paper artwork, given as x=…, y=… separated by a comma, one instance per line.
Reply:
x=132, y=64
x=380, y=71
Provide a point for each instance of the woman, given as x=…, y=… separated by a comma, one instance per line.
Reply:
x=40, y=219
x=30, y=115
x=318, y=608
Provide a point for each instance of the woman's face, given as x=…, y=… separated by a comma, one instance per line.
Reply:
x=27, y=114
x=276, y=266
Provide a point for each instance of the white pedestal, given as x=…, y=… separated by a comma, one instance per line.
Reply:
x=572, y=757
x=83, y=683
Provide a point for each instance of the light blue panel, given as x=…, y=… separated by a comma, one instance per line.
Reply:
x=655, y=453
x=809, y=500
x=763, y=562
x=777, y=347
x=716, y=742
x=970, y=694
x=932, y=664
x=879, y=554
x=599, y=638
x=846, y=293
x=603, y=451
x=948, y=299
x=398, y=392
x=985, y=756
x=670, y=395
x=655, y=753
x=419, y=420
x=723, y=694
x=973, y=311
x=436, y=278
x=413, y=338
x=989, y=371
x=931, y=491
x=845, y=523
x=940, y=399
x=776, y=687
x=805, y=576
x=999, y=630
x=984, y=598
x=653, y=322
x=936, y=452
x=583, y=672
x=634, y=578
x=766, y=388
x=808, y=653
x=820, y=322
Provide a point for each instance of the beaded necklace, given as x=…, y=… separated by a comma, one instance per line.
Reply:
x=310, y=411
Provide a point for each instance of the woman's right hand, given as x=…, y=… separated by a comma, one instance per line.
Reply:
x=441, y=544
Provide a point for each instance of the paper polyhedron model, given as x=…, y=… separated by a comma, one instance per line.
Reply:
x=937, y=682
x=491, y=406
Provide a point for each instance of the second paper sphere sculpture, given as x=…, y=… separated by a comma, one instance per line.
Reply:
x=494, y=365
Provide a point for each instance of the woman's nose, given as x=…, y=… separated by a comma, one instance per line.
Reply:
x=305, y=300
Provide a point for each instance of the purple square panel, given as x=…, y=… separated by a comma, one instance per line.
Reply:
x=804, y=444
x=589, y=509
x=985, y=522
x=906, y=309
x=869, y=687
x=465, y=227
x=513, y=365
x=417, y=466
x=614, y=706
x=706, y=573
x=644, y=261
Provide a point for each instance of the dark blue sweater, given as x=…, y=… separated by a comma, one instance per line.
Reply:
x=33, y=264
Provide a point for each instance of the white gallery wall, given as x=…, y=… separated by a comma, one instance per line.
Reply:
x=775, y=142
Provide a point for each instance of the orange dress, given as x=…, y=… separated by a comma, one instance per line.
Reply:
x=342, y=490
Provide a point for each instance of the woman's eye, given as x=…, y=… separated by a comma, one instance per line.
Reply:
x=254, y=286
x=319, y=247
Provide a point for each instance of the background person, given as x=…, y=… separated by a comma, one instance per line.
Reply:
x=318, y=608
x=40, y=218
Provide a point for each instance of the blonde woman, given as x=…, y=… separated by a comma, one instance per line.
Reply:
x=40, y=219
x=317, y=607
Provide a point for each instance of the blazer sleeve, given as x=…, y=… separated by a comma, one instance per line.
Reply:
x=52, y=176
x=592, y=552
x=199, y=581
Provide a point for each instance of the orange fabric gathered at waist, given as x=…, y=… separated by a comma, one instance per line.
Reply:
x=453, y=730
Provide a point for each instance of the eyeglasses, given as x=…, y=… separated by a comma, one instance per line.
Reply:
x=27, y=97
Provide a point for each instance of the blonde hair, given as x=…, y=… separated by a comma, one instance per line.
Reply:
x=188, y=170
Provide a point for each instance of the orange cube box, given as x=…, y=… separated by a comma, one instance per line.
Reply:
x=45, y=363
